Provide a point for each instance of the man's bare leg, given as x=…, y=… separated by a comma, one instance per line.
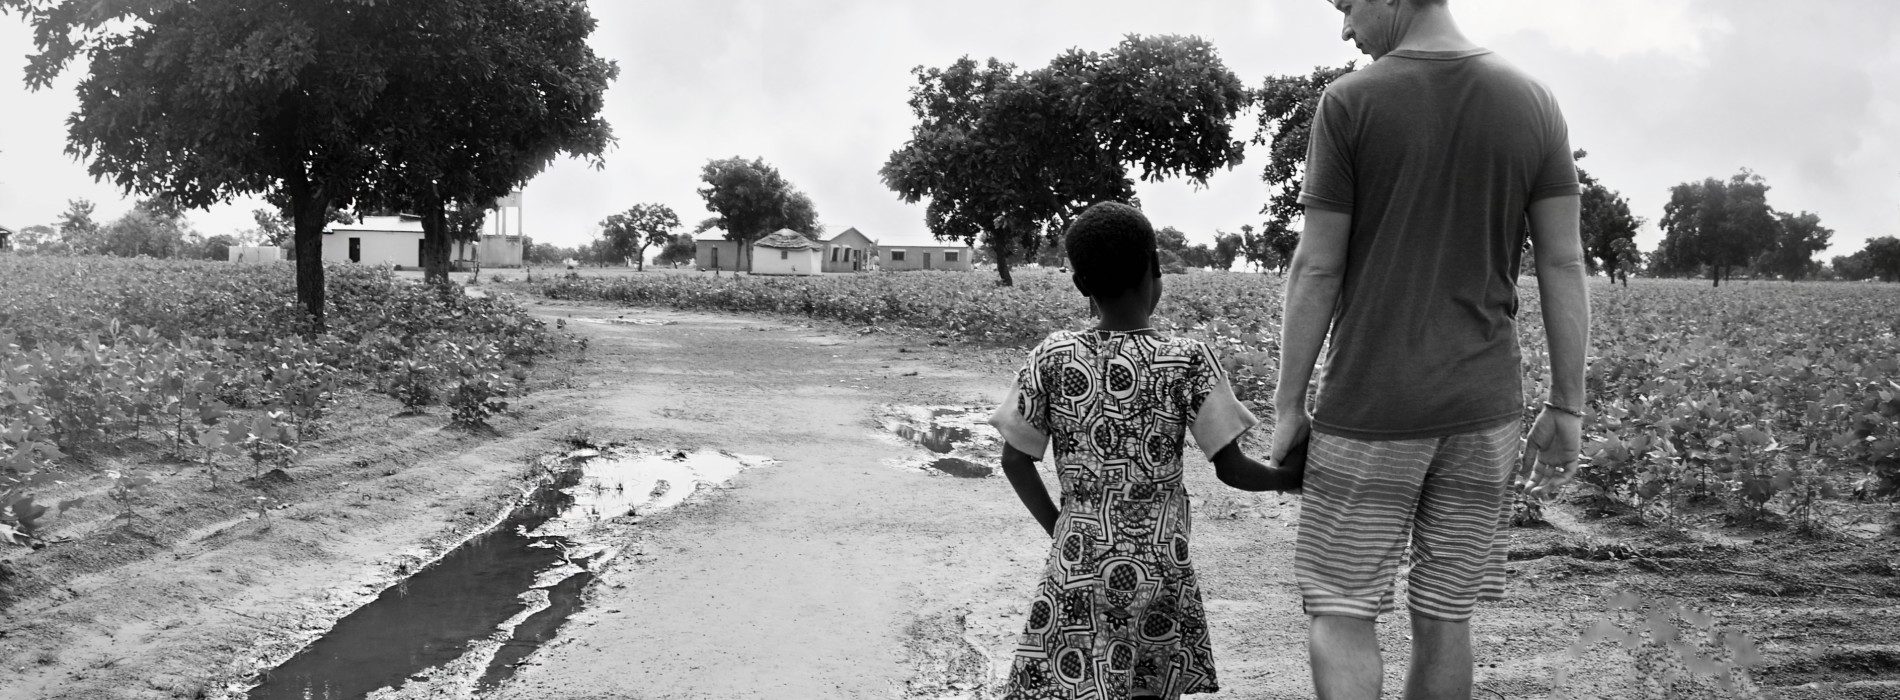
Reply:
x=1345, y=658
x=1441, y=660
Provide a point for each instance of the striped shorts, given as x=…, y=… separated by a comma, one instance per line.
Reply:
x=1365, y=501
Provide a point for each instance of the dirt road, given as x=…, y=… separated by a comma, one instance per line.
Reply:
x=838, y=573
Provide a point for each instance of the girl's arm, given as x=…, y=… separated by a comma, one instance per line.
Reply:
x=1021, y=470
x=1244, y=473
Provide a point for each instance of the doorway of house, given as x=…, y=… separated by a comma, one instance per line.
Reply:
x=356, y=250
x=926, y=261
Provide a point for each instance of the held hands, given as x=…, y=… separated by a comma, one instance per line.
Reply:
x=1550, y=454
x=1290, y=429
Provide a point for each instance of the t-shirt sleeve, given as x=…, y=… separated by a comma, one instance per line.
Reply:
x=1023, y=417
x=1217, y=417
x=1329, y=177
x=1557, y=176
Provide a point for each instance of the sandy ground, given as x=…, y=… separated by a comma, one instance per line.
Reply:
x=838, y=572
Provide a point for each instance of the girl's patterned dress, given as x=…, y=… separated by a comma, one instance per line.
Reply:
x=1118, y=613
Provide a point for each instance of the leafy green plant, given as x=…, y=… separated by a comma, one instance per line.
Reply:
x=128, y=490
x=479, y=386
x=268, y=441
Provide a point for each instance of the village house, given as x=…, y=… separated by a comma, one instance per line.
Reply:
x=849, y=251
x=6, y=238
x=397, y=240
x=712, y=251
x=921, y=253
x=787, y=252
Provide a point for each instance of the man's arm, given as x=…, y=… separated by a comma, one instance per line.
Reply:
x=1312, y=294
x=1557, y=437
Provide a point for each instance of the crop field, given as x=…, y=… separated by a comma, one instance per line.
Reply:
x=208, y=363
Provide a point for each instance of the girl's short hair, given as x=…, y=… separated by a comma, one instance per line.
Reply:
x=1111, y=245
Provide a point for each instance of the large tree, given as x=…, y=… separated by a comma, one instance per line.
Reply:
x=1287, y=105
x=631, y=232
x=206, y=100
x=679, y=250
x=468, y=122
x=1005, y=156
x=751, y=200
x=1605, y=219
x=1797, y=238
x=1880, y=259
x=1716, y=225
x=1227, y=247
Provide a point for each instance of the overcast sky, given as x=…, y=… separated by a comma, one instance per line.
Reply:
x=1807, y=94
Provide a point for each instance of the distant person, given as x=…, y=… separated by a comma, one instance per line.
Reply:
x=1118, y=613
x=1422, y=170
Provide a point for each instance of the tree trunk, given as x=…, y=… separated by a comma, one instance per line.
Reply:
x=1715, y=273
x=308, y=207
x=641, y=257
x=435, y=243
x=1000, y=246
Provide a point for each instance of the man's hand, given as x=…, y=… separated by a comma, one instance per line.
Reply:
x=1550, y=454
x=1289, y=428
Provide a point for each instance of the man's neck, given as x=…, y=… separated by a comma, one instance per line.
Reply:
x=1433, y=29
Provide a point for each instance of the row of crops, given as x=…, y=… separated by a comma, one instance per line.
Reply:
x=210, y=362
x=1767, y=397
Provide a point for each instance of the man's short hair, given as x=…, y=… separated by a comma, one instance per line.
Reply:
x=1111, y=245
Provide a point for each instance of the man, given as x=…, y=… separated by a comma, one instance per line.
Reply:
x=1423, y=169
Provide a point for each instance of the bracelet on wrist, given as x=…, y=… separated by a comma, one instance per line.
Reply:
x=1562, y=409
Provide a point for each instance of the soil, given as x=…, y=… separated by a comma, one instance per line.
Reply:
x=846, y=570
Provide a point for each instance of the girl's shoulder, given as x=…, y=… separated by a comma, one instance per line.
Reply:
x=1056, y=342
x=1180, y=346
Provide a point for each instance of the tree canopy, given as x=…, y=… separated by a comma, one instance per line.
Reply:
x=751, y=200
x=206, y=100
x=1287, y=105
x=1797, y=237
x=1715, y=225
x=1880, y=259
x=1006, y=156
x=630, y=233
x=468, y=122
x=1605, y=219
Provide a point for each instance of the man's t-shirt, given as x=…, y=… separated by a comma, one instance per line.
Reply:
x=1437, y=157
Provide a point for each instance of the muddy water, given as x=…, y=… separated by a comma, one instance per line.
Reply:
x=465, y=621
x=957, y=435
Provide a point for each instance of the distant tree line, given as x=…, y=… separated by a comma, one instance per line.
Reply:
x=154, y=227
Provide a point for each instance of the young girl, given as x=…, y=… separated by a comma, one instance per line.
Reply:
x=1118, y=613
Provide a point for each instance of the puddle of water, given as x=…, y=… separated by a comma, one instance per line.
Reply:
x=624, y=321
x=482, y=608
x=940, y=432
x=960, y=467
x=959, y=437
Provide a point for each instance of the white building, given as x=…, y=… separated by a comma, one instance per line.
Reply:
x=787, y=252
x=376, y=240
x=397, y=240
x=921, y=253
